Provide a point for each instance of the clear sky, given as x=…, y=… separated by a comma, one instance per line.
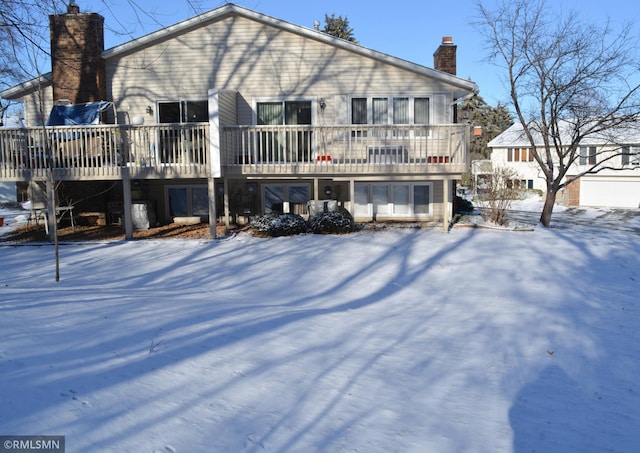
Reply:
x=409, y=29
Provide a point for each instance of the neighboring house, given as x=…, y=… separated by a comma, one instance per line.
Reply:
x=234, y=113
x=616, y=186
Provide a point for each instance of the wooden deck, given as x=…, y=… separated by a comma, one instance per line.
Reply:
x=174, y=151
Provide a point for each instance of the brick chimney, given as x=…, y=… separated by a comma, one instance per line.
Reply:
x=444, y=58
x=77, y=43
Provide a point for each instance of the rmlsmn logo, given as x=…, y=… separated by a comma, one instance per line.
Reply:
x=32, y=444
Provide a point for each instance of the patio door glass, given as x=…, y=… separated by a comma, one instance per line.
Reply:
x=284, y=146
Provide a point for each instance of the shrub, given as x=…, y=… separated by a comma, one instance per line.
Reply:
x=462, y=206
x=275, y=225
x=339, y=221
x=502, y=189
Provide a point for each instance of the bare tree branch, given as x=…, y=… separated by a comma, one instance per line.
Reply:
x=569, y=81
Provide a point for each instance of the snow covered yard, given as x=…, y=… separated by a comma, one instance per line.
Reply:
x=398, y=340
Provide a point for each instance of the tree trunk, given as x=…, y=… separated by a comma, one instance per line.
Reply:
x=547, y=209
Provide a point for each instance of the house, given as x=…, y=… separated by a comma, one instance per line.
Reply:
x=234, y=113
x=617, y=185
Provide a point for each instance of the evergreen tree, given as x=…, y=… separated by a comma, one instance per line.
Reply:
x=493, y=120
x=338, y=27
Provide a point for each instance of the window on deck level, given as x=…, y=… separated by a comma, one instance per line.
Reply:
x=284, y=112
x=390, y=110
x=183, y=111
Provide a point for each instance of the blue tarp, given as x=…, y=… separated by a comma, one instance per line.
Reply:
x=77, y=114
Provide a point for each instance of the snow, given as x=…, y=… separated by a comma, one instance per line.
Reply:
x=408, y=340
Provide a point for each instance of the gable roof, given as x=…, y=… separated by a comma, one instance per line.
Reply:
x=514, y=136
x=231, y=9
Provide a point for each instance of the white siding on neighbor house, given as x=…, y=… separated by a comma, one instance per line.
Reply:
x=525, y=170
x=616, y=188
x=258, y=60
x=610, y=191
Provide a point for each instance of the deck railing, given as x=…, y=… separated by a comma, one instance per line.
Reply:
x=182, y=150
x=345, y=149
x=104, y=150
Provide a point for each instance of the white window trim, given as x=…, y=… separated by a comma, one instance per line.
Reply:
x=390, y=98
x=390, y=205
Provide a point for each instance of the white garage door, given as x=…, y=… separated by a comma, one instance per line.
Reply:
x=613, y=193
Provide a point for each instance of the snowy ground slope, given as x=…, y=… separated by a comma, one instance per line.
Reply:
x=400, y=340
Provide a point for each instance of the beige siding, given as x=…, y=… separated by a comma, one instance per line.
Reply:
x=35, y=115
x=257, y=61
x=228, y=108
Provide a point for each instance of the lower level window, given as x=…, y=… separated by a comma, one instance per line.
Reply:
x=280, y=198
x=392, y=200
x=188, y=201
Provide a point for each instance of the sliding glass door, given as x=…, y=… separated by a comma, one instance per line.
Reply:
x=284, y=145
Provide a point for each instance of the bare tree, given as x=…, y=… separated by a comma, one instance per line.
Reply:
x=24, y=28
x=25, y=50
x=502, y=187
x=568, y=80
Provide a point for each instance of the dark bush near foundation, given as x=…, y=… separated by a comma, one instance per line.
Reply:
x=275, y=225
x=332, y=222
x=462, y=206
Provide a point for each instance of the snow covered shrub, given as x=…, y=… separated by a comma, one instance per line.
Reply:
x=339, y=221
x=275, y=225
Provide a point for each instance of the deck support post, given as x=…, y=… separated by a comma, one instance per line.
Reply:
x=352, y=198
x=213, y=218
x=446, y=204
x=226, y=205
x=127, y=205
x=316, y=195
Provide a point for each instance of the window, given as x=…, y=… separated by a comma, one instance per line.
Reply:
x=390, y=110
x=280, y=198
x=421, y=198
x=392, y=200
x=401, y=199
x=284, y=112
x=173, y=141
x=183, y=111
x=400, y=110
x=421, y=111
x=587, y=155
x=631, y=155
x=359, y=111
x=284, y=146
x=380, y=111
x=380, y=199
x=188, y=201
x=519, y=155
